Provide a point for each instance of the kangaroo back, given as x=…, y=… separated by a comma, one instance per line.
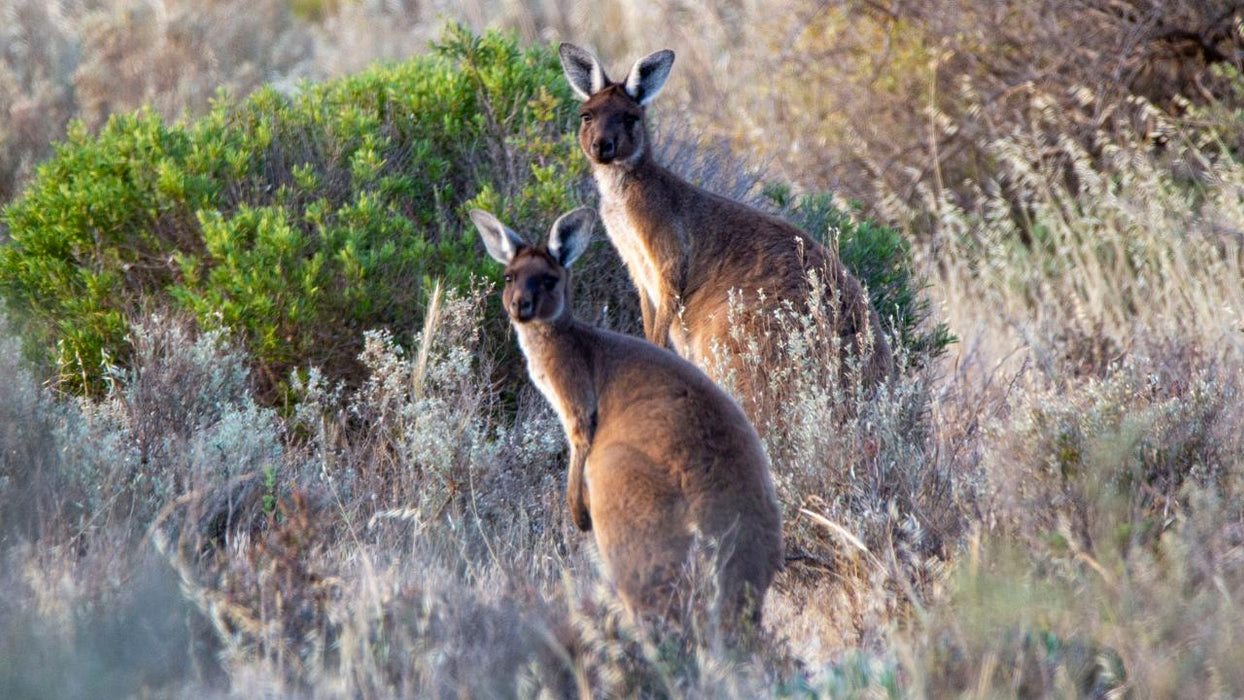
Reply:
x=660, y=456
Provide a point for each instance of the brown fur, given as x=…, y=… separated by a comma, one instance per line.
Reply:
x=686, y=248
x=659, y=454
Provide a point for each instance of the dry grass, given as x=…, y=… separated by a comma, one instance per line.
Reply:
x=949, y=535
x=89, y=59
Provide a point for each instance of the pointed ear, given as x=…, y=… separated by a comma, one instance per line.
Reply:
x=502, y=243
x=648, y=76
x=586, y=75
x=570, y=235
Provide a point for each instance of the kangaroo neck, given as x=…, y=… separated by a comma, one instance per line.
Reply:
x=545, y=336
x=620, y=181
x=560, y=364
x=553, y=348
x=642, y=207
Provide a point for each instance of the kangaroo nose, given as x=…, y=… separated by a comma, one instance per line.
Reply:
x=524, y=309
x=604, y=149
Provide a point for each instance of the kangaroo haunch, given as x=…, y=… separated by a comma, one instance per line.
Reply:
x=659, y=455
x=686, y=248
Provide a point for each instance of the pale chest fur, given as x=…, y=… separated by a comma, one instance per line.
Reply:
x=627, y=238
x=537, y=369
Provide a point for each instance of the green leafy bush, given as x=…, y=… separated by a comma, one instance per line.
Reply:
x=296, y=221
x=880, y=257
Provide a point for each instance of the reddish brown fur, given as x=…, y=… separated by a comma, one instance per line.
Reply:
x=686, y=248
x=660, y=454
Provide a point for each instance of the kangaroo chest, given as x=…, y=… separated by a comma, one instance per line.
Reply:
x=644, y=268
x=627, y=236
x=634, y=251
x=538, y=370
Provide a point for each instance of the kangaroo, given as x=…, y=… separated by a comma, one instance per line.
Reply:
x=658, y=453
x=686, y=248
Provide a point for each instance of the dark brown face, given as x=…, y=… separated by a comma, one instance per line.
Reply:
x=611, y=126
x=535, y=287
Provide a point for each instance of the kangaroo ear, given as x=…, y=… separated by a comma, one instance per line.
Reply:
x=586, y=75
x=502, y=243
x=570, y=235
x=648, y=76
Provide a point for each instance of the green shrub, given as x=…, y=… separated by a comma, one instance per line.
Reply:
x=298, y=221
x=880, y=257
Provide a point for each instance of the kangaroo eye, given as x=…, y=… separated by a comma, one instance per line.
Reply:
x=585, y=117
x=508, y=278
x=550, y=282
x=630, y=120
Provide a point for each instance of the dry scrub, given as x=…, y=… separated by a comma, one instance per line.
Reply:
x=1053, y=509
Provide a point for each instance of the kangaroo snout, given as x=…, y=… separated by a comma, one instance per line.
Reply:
x=523, y=308
x=604, y=149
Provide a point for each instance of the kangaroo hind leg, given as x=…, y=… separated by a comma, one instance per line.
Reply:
x=639, y=517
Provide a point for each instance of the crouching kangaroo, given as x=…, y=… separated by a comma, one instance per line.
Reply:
x=658, y=453
x=686, y=248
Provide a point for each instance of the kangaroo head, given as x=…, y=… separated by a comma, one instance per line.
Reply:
x=611, y=119
x=537, y=280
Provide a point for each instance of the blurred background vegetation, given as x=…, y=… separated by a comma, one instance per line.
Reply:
x=263, y=430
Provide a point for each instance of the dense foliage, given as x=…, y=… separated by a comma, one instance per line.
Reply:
x=297, y=222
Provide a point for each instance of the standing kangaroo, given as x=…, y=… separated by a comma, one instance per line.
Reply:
x=658, y=453
x=686, y=248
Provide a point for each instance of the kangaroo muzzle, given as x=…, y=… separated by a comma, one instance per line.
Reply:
x=523, y=308
x=604, y=150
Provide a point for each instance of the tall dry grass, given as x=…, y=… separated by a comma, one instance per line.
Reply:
x=1145, y=250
